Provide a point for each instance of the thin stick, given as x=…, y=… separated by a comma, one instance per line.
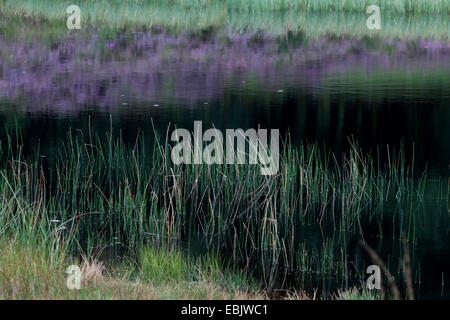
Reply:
x=377, y=260
x=407, y=268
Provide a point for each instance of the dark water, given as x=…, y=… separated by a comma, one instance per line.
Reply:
x=381, y=92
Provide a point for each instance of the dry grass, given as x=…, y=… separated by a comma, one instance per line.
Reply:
x=356, y=294
x=400, y=18
x=31, y=271
x=92, y=271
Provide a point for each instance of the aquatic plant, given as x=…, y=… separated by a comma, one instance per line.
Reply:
x=98, y=191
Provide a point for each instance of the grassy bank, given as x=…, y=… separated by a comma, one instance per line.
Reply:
x=400, y=18
x=98, y=191
x=129, y=6
x=100, y=185
x=32, y=270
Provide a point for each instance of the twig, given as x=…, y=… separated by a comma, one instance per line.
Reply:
x=377, y=260
x=407, y=268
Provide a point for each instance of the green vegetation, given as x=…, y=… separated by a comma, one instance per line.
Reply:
x=31, y=270
x=128, y=7
x=400, y=18
x=355, y=294
x=101, y=186
x=169, y=265
x=99, y=190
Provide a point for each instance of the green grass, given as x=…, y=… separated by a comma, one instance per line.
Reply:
x=128, y=7
x=400, y=18
x=171, y=265
x=31, y=270
x=358, y=294
x=98, y=191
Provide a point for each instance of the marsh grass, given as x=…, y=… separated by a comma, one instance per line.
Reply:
x=400, y=18
x=98, y=191
x=33, y=271
x=129, y=7
x=29, y=270
x=357, y=294
x=162, y=265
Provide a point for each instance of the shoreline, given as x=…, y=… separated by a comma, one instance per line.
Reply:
x=205, y=20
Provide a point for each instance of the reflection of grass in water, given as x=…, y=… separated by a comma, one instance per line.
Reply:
x=418, y=81
x=265, y=15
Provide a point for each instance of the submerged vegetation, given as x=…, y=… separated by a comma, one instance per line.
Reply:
x=99, y=191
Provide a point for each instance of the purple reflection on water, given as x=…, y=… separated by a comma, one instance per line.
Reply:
x=159, y=68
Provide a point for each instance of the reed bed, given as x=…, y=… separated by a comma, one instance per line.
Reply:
x=400, y=18
x=99, y=191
